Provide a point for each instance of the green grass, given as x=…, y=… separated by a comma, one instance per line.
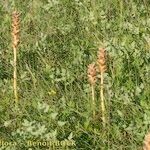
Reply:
x=59, y=38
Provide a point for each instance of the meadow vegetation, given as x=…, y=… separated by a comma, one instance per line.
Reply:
x=58, y=41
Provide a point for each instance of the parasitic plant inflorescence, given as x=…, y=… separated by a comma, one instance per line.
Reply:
x=147, y=142
x=92, y=80
x=15, y=42
x=101, y=61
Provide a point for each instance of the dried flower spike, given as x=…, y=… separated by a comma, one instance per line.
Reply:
x=102, y=68
x=92, y=73
x=15, y=28
x=15, y=42
x=102, y=60
x=92, y=80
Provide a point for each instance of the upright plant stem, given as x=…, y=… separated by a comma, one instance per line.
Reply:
x=102, y=98
x=102, y=68
x=15, y=42
x=92, y=80
x=93, y=100
x=15, y=75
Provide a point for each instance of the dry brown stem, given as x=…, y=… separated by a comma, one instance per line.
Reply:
x=15, y=42
x=102, y=68
x=92, y=81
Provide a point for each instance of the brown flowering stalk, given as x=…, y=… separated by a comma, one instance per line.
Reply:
x=147, y=142
x=15, y=42
x=102, y=68
x=92, y=80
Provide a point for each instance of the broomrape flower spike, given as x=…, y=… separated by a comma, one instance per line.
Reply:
x=15, y=28
x=92, y=80
x=102, y=60
x=15, y=42
x=147, y=142
x=102, y=68
x=92, y=73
